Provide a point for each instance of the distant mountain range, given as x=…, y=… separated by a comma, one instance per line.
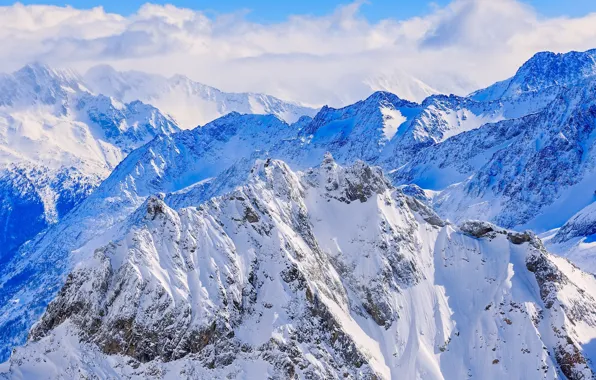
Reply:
x=188, y=102
x=343, y=243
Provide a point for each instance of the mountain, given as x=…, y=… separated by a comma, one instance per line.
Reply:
x=169, y=163
x=387, y=130
x=575, y=238
x=189, y=102
x=51, y=123
x=57, y=142
x=522, y=159
x=210, y=160
x=403, y=84
x=542, y=71
x=277, y=277
x=535, y=171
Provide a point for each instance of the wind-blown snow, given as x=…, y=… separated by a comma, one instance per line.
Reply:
x=393, y=119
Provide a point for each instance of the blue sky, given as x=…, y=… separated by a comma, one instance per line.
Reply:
x=276, y=10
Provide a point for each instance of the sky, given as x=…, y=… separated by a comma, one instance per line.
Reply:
x=312, y=51
x=276, y=11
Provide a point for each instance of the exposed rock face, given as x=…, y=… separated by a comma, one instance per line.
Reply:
x=279, y=277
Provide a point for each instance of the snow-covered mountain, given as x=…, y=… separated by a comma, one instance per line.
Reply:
x=177, y=229
x=206, y=161
x=542, y=71
x=189, y=102
x=169, y=163
x=57, y=142
x=51, y=123
x=49, y=117
x=535, y=171
x=401, y=83
x=278, y=279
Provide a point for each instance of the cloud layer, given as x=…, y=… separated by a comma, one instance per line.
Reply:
x=332, y=59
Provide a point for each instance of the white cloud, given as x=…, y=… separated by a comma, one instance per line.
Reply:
x=330, y=59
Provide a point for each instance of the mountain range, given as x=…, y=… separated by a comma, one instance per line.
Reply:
x=343, y=243
x=190, y=103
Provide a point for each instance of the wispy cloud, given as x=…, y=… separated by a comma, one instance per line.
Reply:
x=331, y=59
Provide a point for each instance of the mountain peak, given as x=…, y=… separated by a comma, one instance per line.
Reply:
x=543, y=70
x=547, y=68
x=190, y=103
x=39, y=83
x=40, y=73
x=381, y=96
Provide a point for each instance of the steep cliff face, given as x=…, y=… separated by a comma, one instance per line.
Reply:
x=280, y=278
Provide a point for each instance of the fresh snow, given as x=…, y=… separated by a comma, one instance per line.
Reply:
x=300, y=269
x=278, y=271
x=189, y=102
x=393, y=119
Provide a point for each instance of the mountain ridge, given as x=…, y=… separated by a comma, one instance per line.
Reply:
x=513, y=160
x=189, y=102
x=268, y=246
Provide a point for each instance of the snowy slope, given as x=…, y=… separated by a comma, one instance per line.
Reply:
x=215, y=158
x=278, y=279
x=535, y=171
x=166, y=164
x=189, y=102
x=48, y=117
x=523, y=160
x=387, y=130
x=32, y=198
x=575, y=239
x=57, y=142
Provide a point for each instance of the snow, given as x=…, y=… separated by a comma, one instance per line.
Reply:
x=414, y=299
x=403, y=84
x=393, y=119
x=214, y=241
x=189, y=102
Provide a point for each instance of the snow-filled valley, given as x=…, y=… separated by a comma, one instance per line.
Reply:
x=451, y=238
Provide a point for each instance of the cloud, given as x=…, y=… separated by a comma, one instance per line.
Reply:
x=330, y=59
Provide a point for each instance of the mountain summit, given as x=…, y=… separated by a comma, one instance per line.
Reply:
x=543, y=70
x=232, y=249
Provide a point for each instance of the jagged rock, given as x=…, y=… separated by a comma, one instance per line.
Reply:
x=298, y=288
x=478, y=228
